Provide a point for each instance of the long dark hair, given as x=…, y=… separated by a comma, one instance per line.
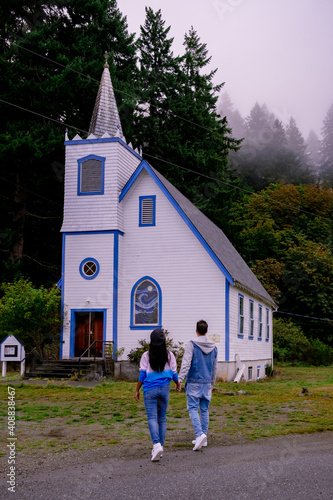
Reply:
x=158, y=356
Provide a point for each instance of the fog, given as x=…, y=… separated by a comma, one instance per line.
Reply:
x=277, y=52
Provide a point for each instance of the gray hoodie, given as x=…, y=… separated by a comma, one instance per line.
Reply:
x=206, y=346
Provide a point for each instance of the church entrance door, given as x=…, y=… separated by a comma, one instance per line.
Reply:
x=88, y=328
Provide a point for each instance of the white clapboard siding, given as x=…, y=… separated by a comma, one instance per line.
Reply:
x=192, y=286
x=80, y=293
x=247, y=348
x=97, y=212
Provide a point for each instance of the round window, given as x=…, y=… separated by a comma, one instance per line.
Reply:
x=89, y=268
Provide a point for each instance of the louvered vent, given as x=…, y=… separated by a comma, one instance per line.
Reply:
x=147, y=213
x=91, y=176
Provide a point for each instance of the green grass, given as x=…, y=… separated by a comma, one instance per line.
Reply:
x=58, y=417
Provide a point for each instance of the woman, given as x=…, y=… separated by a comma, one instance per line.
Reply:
x=157, y=368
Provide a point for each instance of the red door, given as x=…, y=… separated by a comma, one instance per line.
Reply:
x=89, y=328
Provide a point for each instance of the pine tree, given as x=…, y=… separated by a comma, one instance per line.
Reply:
x=326, y=151
x=313, y=151
x=295, y=139
x=157, y=81
x=51, y=64
x=180, y=126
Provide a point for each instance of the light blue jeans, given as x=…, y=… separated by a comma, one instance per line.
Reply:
x=199, y=396
x=156, y=403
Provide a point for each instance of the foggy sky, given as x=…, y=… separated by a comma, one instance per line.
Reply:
x=277, y=52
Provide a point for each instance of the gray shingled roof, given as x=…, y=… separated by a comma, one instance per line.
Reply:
x=105, y=117
x=218, y=242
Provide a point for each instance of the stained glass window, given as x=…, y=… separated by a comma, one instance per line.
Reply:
x=146, y=303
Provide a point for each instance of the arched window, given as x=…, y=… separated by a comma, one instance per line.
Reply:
x=146, y=304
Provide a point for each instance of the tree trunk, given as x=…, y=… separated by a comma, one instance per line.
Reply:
x=18, y=220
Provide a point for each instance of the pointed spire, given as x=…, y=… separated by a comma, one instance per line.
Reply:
x=105, y=117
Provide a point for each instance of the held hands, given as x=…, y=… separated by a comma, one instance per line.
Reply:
x=178, y=386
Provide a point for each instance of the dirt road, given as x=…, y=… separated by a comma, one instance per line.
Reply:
x=298, y=467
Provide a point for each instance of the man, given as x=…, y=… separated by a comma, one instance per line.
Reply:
x=199, y=367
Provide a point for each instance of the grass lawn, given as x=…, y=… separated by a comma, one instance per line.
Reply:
x=58, y=417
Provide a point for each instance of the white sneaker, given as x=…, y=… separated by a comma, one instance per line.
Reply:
x=157, y=452
x=199, y=442
x=203, y=444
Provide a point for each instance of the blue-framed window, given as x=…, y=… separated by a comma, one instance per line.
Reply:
x=240, y=316
x=251, y=318
x=146, y=304
x=89, y=268
x=90, y=179
x=267, y=325
x=260, y=322
x=147, y=211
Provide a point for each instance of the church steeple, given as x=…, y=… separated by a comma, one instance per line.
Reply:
x=105, y=118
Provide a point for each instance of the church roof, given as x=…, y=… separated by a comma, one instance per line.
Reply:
x=220, y=248
x=105, y=117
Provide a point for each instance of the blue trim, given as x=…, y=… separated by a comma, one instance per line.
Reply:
x=266, y=340
x=251, y=319
x=128, y=185
x=240, y=334
x=80, y=161
x=259, y=339
x=99, y=141
x=259, y=323
x=267, y=325
x=141, y=198
x=146, y=327
x=62, y=295
x=112, y=231
x=89, y=259
x=115, y=292
x=227, y=319
x=72, y=328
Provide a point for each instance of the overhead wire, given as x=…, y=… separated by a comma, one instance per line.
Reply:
x=145, y=154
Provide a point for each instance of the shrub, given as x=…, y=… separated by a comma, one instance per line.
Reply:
x=291, y=344
x=135, y=354
x=32, y=314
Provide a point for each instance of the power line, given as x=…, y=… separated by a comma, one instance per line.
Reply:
x=156, y=158
x=42, y=116
x=135, y=97
x=303, y=316
x=235, y=187
x=174, y=164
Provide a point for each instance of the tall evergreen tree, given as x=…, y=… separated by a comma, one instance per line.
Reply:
x=51, y=63
x=179, y=125
x=295, y=139
x=226, y=108
x=313, y=151
x=326, y=151
x=157, y=81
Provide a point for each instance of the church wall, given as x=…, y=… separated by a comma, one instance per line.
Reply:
x=249, y=348
x=192, y=286
x=81, y=293
x=96, y=212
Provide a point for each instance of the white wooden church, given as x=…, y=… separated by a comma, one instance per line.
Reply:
x=138, y=255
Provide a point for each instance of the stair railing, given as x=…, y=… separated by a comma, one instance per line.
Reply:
x=88, y=348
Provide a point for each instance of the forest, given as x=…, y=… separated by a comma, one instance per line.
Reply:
x=268, y=188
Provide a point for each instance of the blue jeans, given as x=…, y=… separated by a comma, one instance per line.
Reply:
x=156, y=404
x=199, y=396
